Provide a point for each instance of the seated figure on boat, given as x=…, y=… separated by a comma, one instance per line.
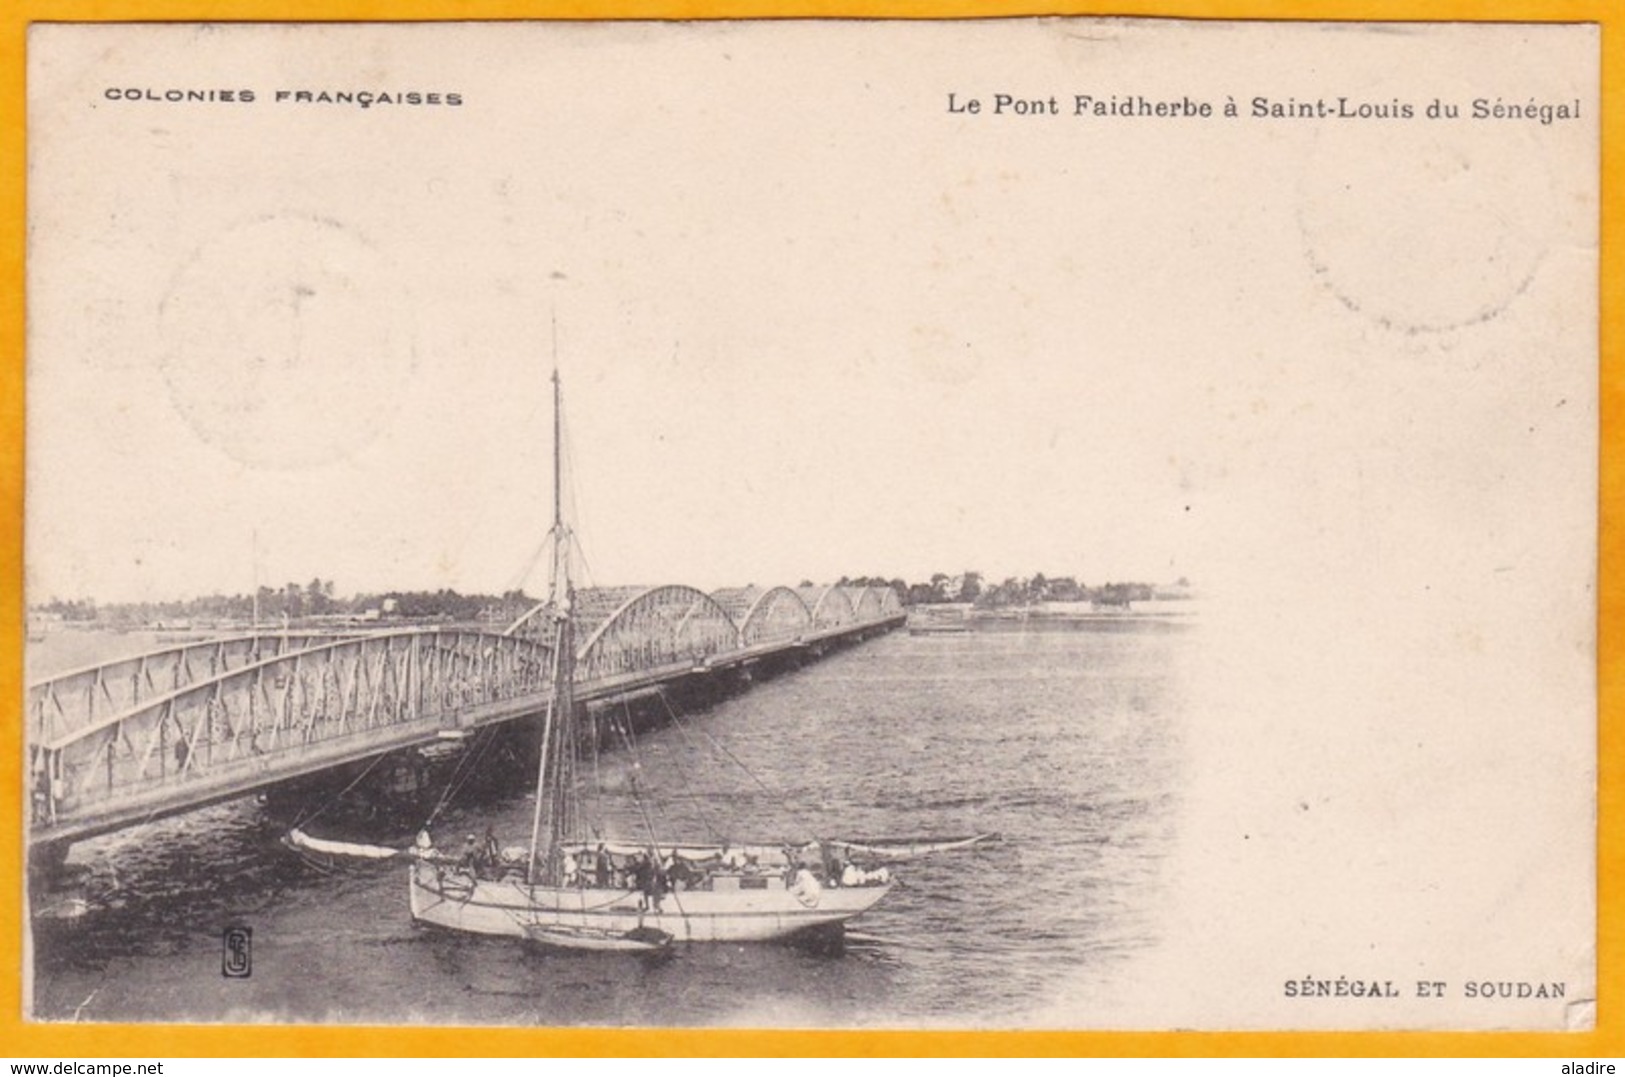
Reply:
x=685, y=874
x=852, y=875
x=651, y=872
x=804, y=885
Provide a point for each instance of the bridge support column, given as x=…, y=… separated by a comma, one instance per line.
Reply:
x=49, y=858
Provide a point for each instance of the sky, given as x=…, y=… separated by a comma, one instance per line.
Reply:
x=810, y=322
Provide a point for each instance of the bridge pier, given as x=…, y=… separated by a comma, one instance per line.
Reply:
x=48, y=858
x=56, y=891
x=394, y=793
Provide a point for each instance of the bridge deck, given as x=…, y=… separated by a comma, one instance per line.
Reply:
x=168, y=732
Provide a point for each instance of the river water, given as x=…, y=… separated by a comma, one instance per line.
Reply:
x=1066, y=740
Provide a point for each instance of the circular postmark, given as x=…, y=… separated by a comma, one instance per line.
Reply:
x=288, y=341
x=1422, y=225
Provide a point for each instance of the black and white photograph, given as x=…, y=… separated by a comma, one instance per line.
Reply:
x=1033, y=523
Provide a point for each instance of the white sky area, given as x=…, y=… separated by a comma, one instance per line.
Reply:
x=810, y=323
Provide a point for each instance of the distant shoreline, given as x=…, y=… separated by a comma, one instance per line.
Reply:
x=1057, y=610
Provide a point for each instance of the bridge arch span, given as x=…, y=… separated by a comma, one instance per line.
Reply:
x=890, y=604
x=655, y=627
x=777, y=614
x=830, y=606
x=866, y=602
x=737, y=600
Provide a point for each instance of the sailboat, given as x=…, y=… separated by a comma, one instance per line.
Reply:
x=567, y=891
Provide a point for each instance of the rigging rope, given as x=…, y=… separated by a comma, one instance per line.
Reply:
x=460, y=776
x=723, y=749
x=624, y=728
x=705, y=820
x=516, y=582
x=648, y=823
x=301, y=820
x=596, y=823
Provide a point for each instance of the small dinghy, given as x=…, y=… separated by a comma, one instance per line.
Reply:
x=639, y=940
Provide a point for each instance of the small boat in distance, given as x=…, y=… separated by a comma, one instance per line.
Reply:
x=936, y=621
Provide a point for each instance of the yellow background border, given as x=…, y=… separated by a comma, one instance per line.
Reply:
x=23, y=1040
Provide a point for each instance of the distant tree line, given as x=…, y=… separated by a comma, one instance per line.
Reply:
x=296, y=602
x=77, y=610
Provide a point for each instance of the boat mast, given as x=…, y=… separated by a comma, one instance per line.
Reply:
x=557, y=728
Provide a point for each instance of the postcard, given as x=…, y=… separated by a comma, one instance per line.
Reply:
x=1033, y=523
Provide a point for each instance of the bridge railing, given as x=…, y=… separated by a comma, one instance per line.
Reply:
x=204, y=717
x=248, y=719
x=71, y=701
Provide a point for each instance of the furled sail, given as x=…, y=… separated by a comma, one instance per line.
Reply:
x=299, y=839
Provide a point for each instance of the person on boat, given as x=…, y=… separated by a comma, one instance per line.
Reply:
x=683, y=875
x=852, y=875
x=471, y=854
x=829, y=862
x=805, y=887
x=570, y=869
x=492, y=851
x=675, y=870
x=643, y=878
x=601, y=868
x=660, y=881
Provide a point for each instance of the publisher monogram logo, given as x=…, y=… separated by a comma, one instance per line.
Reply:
x=237, y=953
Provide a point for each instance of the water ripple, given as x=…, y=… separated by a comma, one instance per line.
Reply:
x=1066, y=743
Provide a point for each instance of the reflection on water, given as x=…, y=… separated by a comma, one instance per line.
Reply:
x=1066, y=742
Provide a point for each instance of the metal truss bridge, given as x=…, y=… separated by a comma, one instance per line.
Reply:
x=164, y=732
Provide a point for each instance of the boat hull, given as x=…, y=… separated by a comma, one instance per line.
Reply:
x=452, y=898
